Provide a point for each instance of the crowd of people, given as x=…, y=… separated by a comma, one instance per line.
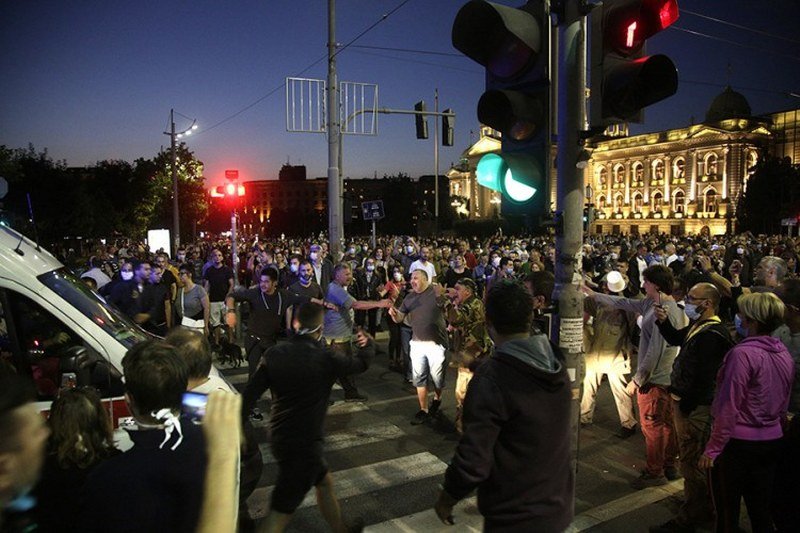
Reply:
x=698, y=334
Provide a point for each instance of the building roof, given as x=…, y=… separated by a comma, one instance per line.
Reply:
x=728, y=104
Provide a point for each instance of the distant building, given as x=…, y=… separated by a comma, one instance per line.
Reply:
x=675, y=181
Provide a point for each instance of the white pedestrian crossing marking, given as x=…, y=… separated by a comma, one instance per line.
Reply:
x=378, y=432
x=362, y=480
x=465, y=513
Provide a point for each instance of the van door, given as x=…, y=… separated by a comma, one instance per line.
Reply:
x=36, y=343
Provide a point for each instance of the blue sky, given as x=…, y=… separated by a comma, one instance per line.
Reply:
x=95, y=80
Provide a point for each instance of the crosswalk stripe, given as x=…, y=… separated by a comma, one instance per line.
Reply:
x=377, y=432
x=465, y=515
x=362, y=480
x=241, y=379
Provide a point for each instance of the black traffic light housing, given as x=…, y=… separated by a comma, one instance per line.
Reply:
x=623, y=79
x=513, y=45
x=421, y=121
x=448, y=125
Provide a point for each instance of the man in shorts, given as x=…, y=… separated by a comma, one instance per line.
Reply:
x=428, y=342
x=300, y=374
x=218, y=283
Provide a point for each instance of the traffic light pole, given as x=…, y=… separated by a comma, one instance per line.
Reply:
x=335, y=233
x=568, y=324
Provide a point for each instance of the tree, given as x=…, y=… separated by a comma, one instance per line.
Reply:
x=772, y=193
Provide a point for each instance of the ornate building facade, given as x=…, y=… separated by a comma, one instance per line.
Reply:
x=686, y=180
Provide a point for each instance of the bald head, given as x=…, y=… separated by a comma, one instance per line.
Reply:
x=705, y=291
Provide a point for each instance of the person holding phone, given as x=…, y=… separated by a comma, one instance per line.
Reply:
x=652, y=378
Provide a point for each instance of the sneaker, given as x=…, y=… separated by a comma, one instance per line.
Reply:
x=646, y=480
x=433, y=408
x=673, y=526
x=672, y=473
x=625, y=433
x=420, y=418
x=355, y=397
x=255, y=414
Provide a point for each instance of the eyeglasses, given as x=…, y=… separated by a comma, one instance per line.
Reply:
x=691, y=299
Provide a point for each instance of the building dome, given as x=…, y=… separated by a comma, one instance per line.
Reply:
x=728, y=104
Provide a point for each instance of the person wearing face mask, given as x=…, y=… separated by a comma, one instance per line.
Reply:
x=300, y=374
x=323, y=268
x=504, y=270
x=291, y=272
x=368, y=286
x=396, y=289
x=305, y=286
x=704, y=344
x=749, y=411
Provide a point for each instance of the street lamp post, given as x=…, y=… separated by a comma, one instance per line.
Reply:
x=173, y=137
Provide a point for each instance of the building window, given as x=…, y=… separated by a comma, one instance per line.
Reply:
x=680, y=201
x=637, y=203
x=617, y=202
x=619, y=177
x=602, y=177
x=710, y=201
x=707, y=167
x=678, y=171
x=657, y=177
x=638, y=175
x=601, y=202
x=657, y=201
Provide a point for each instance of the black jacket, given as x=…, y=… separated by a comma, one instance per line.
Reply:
x=694, y=372
x=516, y=443
x=300, y=374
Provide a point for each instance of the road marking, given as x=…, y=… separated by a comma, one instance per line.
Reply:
x=362, y=480
x=378, y=432
x=465, y=513
x=624, y=505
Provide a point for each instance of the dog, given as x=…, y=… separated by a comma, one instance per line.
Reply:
x=230, y=353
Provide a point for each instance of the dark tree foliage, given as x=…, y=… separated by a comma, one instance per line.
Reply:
x=773, y=193
x=106, y=199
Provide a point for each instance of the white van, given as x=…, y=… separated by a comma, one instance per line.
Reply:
x=53, y=327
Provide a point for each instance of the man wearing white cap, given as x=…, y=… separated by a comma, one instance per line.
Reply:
x=608, y=352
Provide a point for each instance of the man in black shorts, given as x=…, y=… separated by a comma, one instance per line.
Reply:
x=300, y=375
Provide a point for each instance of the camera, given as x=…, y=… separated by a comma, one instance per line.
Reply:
x=193, y=406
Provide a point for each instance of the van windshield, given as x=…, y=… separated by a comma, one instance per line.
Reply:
x=89, y=303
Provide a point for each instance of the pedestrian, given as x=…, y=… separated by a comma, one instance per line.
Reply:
x=218, y=283
x=652, y=378
x=368, y=287
x=192, y=301
x=749, y=410
x=703, y=344
x=428, y=342
x=300, y=374
x=516, y=444
x=338, y=327
x=466, y=316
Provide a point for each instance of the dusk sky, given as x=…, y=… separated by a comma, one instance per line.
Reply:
x=95, y=80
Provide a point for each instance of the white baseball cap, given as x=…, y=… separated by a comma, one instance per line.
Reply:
x=615, y=282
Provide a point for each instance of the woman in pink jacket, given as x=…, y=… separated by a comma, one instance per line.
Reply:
x=750, y=403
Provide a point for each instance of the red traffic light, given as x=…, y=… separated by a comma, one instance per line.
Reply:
x=630, y=23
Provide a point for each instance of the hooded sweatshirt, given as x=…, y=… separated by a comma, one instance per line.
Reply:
x=516, y=443
x=753, y=387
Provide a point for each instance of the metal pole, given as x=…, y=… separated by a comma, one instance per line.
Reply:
x=176, y=227
x=335, y=234
x=374, y=240
x=234, y=248
x=436, y=158
x=568, y=321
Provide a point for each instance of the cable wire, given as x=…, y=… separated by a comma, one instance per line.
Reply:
x=740, y=27
x=737, y=43
x=283, y=84
x=409, y=50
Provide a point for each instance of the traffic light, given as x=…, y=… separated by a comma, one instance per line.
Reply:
x=448, y=123
x=421, y=121
x=623, y=79
x=512, y=44
x=230, y=191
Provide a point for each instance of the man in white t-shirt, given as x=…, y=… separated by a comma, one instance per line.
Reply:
x=423, y=264
x=193, y=347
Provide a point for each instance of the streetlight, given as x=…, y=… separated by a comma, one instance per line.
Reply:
x=173, y=136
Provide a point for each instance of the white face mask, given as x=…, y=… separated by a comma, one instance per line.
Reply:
x=740, y=251
x=370, y=268
x=126, y=275
x=495, y=261
x=294, y=268
x=410, y=249
x=691, y=311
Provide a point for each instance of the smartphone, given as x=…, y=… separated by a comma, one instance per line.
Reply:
x=194, y=406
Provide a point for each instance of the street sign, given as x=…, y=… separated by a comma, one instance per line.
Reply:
x=231, y=174
x=372, y=210
x=788, y=222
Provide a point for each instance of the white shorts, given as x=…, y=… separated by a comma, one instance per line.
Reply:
x=427, y=363
x=216, y=313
